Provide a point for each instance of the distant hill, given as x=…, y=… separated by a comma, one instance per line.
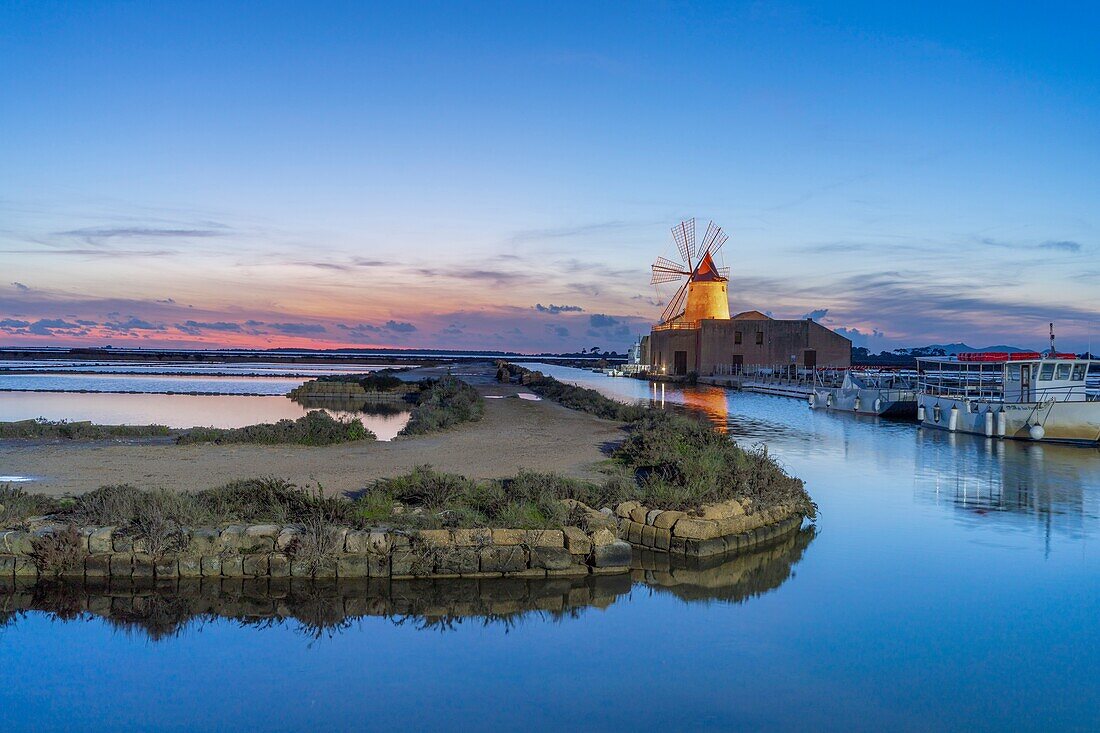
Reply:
x=906, y=357
x=950, y=349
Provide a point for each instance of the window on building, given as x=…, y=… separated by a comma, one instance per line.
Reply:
x=759, y=337
x=736, y=337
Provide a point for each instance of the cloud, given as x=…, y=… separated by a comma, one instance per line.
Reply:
x=600, y=320
x=815, y=315
x=559, y=331
x=496, y=277
x=534, y=235
x=297, y=329
x=452, y=330
x=195, y=328
x=96, y=233
x=556, y=309
x=47, y=326
x=360, y=327
x=860, y=338
x=399, y=327
x=20, y=287
x=11, y=323
x=1063, y=245
x=132, y=324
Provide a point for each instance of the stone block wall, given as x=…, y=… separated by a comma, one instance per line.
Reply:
x=715, y=529
x=274, y=551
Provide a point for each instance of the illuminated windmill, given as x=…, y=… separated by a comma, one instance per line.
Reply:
x=703, y=294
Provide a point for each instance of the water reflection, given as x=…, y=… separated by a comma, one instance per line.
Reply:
x=354, y=405
x=183, y=411
x=983, y=482
x=1051, y=485
x=318, y=609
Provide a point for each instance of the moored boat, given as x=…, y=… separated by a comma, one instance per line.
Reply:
x=866, y=392
x=1023, y=395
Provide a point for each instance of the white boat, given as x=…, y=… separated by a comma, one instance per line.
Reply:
x=1025, y=395
x=868, y=392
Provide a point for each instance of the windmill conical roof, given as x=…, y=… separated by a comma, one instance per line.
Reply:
x=706, y=271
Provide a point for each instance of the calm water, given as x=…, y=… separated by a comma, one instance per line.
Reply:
x=953, y=583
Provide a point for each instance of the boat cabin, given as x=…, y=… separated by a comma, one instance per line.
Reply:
x=1021, y=377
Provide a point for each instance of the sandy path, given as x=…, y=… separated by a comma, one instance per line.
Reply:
x=514, y=434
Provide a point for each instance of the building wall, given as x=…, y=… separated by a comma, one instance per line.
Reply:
x=713, y=345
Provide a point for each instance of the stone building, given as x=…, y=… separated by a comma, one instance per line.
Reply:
x=721, y=346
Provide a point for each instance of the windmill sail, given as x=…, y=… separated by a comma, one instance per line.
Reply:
x=703, y=294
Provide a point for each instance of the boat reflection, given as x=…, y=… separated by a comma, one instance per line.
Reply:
x=320, y=609
x=1052, y=484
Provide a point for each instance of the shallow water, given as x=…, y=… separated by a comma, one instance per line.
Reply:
x=178, y=411
x=953, y=583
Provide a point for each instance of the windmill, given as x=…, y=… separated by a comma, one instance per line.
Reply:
x=703, y=293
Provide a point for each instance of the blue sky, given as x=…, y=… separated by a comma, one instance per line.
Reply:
x=429, y=174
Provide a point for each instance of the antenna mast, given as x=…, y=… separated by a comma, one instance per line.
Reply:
x=1052, y=351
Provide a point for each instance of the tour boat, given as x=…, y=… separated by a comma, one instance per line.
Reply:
x=1024, y=395
x=866, y=392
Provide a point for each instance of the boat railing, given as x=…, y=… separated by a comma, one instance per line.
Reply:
x=994, y=393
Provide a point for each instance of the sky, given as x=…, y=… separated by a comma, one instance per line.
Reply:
x=501, y=175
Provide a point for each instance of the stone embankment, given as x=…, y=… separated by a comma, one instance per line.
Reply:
x=276, y=551
x=715, y=529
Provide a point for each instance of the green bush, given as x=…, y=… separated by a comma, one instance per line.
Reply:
x=443, y=403
x=66, y=430
x=17, y=506
x=382, y=380
x=316, y=427
x=681, y=463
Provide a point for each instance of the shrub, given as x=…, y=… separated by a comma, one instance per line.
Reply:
x=443, y=403
x=270, y=500
x=382, y=380
x=58, y=551
x=43, y=429
x=316, y=427
x=681, y=463
x=17, y=506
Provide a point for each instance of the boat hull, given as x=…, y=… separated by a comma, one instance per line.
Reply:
x=1066, y=422
x=868, y=401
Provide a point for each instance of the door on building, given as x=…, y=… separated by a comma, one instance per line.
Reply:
x=809, y=358
x=680, y=363
x=1025, y=384
x=738, y=363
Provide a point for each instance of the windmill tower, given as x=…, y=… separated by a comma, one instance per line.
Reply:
x=703, y=295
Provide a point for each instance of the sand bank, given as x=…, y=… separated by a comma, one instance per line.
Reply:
x=515, y=434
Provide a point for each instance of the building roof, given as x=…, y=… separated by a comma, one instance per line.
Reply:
x=751, y=316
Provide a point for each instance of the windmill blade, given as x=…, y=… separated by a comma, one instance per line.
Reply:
x=676, y=304
x=724, y=272
x=713, y=240
x=669, y=266
x=660, y=276
x=684, y=236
